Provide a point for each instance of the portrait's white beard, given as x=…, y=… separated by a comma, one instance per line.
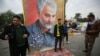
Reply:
x=49, y=26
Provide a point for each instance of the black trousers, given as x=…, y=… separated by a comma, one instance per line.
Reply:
x=66, y=35
x=19, y=51
x=58, y=39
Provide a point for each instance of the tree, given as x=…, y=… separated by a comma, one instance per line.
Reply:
x=77, y=16
x=82, y=20
x=7, y=17
x=1, y=20
x=22, y=19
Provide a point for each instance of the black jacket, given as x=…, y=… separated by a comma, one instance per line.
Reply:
x=11, y=32
x=60, y=30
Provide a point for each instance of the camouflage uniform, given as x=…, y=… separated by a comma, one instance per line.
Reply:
x=89, y=42
x=91, y=36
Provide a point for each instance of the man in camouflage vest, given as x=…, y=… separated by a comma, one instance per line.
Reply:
x=92, y=31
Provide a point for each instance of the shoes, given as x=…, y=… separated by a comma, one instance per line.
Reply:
x=88, y=54
x=60, y=49
x=85, y=50
x=55, y=50
x=67, y=42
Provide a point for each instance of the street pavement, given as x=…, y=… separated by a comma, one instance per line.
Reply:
x=4, y=48
x=75, y=46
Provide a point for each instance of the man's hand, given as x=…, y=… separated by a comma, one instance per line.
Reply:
x=6, y=37
x=92, y=31
x=25, y=36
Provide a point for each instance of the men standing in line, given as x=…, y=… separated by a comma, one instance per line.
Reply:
x=92, y=31
x=58, y=33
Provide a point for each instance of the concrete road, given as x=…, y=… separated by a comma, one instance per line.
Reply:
x=76, y=46
x=4, y=48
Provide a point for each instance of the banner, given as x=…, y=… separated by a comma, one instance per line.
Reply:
x=40, y=17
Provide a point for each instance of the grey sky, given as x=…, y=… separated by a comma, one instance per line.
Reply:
x=72, y=7
x=82, y=6
x=13, y=5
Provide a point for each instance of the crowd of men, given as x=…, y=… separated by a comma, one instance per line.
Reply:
x=20, y=37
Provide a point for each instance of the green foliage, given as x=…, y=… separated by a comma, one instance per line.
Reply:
x=7, y=17
x=22, y=19
x=77, y=15
x=80, y=19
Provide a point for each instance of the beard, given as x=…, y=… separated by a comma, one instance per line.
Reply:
x=47, y=25
x=89, y=20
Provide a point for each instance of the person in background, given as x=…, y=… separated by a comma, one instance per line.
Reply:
x=17, y=35
x=74, y=25
x=65, y=31
x=70, y=24
x=58, y=33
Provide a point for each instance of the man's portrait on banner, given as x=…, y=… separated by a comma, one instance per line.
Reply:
x=40, y=18
x=41, y=30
